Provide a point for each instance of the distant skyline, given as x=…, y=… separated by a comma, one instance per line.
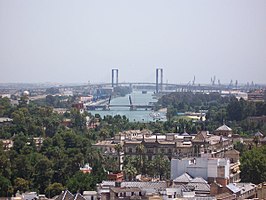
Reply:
x=80, y=41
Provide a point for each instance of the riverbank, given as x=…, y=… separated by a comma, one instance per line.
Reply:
x=138, y=98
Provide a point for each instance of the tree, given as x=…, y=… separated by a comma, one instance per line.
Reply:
x=5, y=107
x=118, y=149
x=239, y=146
x=130, y=171
x=20, y=141
x=22, y=167
x=140, y=150
x=42, y=173
x=253, y=165
x=78, y=120
x=5, y=165
x=81, y=182
x=54, y=189
x=162, y=166
x=21, y=184
x=6, y=189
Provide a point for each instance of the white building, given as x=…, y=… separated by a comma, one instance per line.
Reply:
x=207, y=168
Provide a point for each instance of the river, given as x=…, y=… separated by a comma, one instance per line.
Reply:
x=137, y=115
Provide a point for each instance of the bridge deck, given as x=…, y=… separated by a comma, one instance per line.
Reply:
x=93, y=107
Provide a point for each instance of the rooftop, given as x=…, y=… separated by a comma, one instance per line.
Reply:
x=199, y=186
x=198, y=180
x=224, y=128
x=258, y=134
x=125, y=189
x=138, y=184
x=232, y=187
x=184, y=178
x=5, y=119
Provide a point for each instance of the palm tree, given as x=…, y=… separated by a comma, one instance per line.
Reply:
x=118, y=149
x=130, y=171
x=162, y=166
x=140, y=150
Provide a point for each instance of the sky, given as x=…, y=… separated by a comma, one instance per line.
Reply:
x=81, y=41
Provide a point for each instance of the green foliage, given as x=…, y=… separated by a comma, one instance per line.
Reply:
x=80, y=182
x=56, y=101
x=234, y=112
x=240, y=110
x=42, y=173
x=253, y=165
x=131, y=167
x=54, y=189
x=78, y=120
x=21, y=185
x=241, y=147
x=5, y=107
x=158, y=167
x=6, y=188
x=5, y=165
x=188, y=101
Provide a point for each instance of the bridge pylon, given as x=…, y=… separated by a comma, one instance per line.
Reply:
x=159, y=85
x=114, y=77
x=132, y=107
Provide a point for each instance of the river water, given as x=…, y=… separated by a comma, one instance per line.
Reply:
x=137, y=115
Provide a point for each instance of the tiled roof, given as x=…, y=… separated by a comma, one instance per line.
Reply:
x=232, y=151
x=258, y=134
x=224, y=128
x=125, y=189
x=198, y=180
x=184, y=178
x=78, y=196
x=223, y=196
x=185, y=134
x=199, y=186
x=232, y=187
x=65, y=195
x=244, y=187
x=155, y=185
x=201, y=136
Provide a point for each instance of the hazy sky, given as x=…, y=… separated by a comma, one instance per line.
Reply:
x=82, y=40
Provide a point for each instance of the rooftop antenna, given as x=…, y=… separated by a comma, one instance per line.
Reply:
x=231, y=83
x=214, y=79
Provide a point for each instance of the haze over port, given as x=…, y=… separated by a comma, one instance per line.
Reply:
x=70, y=41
